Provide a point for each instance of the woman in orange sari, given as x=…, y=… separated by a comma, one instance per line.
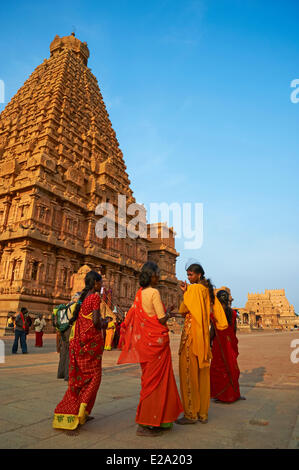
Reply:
x=224, y=366
x=85, y=353
x=147, y=343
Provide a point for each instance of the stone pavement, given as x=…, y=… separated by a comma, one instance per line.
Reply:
x=268, y=419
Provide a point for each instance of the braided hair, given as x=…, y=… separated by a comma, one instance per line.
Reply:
x=198, y=269
x=223, y=297
x=90, y=279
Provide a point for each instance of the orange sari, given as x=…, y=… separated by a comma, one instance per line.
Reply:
x=147, y=343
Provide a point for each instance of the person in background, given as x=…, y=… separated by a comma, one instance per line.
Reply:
x=11, y=321
x=110, y=331
x=28, y=323
x=224, y=366
x=20, y=331
x=39, y=326
x=117, y=334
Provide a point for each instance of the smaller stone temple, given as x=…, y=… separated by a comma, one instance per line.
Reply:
x=269, y=310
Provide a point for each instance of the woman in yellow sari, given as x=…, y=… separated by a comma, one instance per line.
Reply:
x=110, y=332
x=195, y=352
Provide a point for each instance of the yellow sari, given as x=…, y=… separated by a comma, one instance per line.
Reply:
x=195, y=352
x=109, y=335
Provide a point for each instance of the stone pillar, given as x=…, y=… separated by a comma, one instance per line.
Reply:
x=7, y=204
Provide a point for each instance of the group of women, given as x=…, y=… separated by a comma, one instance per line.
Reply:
x=207, y=355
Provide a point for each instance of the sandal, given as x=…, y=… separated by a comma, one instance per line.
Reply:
x=203, y=420
x=148, y=432
x=185, y=420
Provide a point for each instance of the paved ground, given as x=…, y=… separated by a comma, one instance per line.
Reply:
x=268, y=419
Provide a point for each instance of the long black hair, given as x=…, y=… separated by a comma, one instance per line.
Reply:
x=90, y=279
x=223, y=297
x=198, y=269
x=147, y=271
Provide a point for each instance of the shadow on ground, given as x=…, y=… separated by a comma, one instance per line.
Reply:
x=250, y=378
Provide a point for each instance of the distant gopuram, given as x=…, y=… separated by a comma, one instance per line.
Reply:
x=60, y=158
x=270, y=309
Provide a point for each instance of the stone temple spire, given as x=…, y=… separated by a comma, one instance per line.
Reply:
x=72, y=43
x=59, y=159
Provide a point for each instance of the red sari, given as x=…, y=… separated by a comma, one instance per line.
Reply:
x=39, y=339
x=147, y=343
x=122, y=333
x=85, y=368
x=224, y=372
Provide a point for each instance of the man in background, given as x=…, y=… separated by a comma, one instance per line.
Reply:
x=21, y=327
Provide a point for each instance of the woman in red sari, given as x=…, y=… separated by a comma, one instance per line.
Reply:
x=224, y=372
x=147, y=343
x=85, y=352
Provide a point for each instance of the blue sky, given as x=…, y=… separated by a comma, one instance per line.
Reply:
x=198, y=93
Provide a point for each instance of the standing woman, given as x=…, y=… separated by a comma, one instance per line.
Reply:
x=110, y=331
x=195, y=353
x=224, y=367
x=86, y=349
x=39, y=325
x=147, y=342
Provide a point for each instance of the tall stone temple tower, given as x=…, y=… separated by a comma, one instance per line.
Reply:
x=60, y=158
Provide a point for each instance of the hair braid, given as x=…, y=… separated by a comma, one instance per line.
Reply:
x=223, y=297
x=210, y=286
x=90, y=280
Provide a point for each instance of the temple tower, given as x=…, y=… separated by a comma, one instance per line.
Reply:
x=59, y=158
